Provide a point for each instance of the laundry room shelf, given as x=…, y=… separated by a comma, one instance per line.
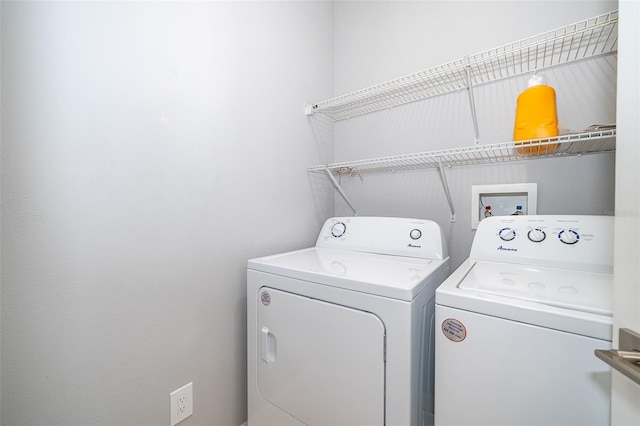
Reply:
x=565, y=145
x=575, y=144
x=589, y=38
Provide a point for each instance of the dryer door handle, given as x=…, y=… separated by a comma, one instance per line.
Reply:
x=268, y=345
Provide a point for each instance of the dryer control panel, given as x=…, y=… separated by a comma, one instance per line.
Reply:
x=385, y=235
x=582, y=243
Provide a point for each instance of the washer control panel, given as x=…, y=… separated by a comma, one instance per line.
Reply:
x=385, y=235
x=571, y=242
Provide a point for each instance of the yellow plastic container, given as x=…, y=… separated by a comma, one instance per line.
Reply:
x=536, y=116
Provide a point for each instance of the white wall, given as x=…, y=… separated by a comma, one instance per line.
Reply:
x=625, y=408
x=148, y=150
x=380, y=41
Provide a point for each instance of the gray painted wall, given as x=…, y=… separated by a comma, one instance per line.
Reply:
x=148, y=150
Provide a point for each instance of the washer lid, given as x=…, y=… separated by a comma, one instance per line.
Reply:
x=383, y=275
x=573, y=290
x=572, y=301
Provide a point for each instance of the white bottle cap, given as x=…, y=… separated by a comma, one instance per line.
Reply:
x=537, y=80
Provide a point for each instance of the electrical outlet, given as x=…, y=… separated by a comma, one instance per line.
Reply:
x=181, y=401
x=182, y=405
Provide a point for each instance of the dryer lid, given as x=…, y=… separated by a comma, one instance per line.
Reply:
x=383, y=275
x=567, y=289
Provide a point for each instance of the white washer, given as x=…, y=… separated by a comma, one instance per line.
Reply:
x=518, y=322
x=342, y=333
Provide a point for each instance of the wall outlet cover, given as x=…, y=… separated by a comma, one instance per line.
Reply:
x=181, y=403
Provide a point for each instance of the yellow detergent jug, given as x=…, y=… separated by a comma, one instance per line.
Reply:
x=536, y=116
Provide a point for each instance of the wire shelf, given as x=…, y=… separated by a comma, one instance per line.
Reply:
x=561, y=146
x=589, y=38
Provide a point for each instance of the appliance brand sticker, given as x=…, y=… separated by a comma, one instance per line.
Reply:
x=454, y=330
x=265, y=298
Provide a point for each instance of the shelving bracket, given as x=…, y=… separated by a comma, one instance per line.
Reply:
x=338, y=188
x=308, y=109
x=472, y=102
x=446, y=190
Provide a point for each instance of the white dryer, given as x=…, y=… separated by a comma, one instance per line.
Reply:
x=342, y=333
x=518, y=322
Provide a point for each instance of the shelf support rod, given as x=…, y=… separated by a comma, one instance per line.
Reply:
x=338, y=188
x=446, y=190
x=472, y=102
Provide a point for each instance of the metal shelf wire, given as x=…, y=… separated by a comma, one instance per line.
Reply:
x=589, y=38
x=561, y=146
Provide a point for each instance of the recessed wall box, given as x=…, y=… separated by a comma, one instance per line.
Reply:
x=502, y=200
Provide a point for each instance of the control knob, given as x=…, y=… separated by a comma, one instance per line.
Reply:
x=415, y=234
x=338, y=229
x=537, y=235
x=507, y=234
x=569, y=236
